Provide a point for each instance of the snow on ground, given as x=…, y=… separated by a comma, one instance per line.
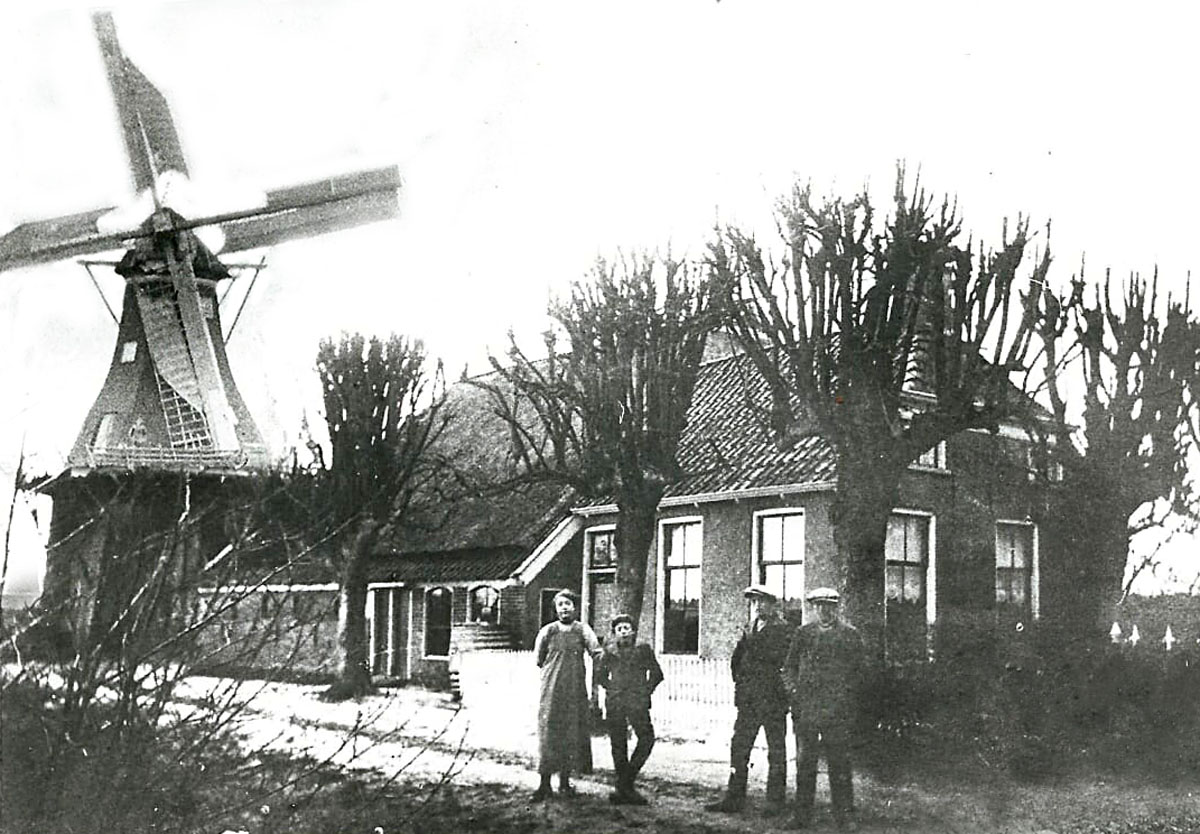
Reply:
x=427, y=734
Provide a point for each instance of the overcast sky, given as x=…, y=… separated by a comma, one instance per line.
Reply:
x=533, y=137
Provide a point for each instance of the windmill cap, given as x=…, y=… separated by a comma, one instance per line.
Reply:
x=823, y=595
x=757, y=591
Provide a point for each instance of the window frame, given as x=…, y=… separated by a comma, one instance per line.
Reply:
x=585, y=612
x=756, y=560
x=663, y=586
x=428, y=592
x=930, y=572
x=1035, y=598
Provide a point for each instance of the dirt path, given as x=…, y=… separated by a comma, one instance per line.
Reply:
x=487, y=760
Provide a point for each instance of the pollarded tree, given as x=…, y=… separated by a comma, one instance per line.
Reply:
x=884, y=341
x=1135, y=359
x=605, y=416
x=385, y=409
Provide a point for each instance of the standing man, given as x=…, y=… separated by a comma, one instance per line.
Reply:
x=564, y=744
x=761, y=701
x=823, y=674
x=629, y=673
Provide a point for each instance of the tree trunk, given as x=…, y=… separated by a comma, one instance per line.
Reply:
x=866, y=493
x=354, y=667
x=1091, y=540
x=637, y=513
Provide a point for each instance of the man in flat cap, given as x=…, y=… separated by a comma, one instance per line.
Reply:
x=629, y=673
x=761, y=701
x=823, y=674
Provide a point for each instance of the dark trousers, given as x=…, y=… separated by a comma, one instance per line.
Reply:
x=618, y=722
x=835, y=740
x=773, y=721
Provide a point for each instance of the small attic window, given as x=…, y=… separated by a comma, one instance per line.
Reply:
x=128, y=352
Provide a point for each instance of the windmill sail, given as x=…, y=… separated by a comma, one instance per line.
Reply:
x=151, y=142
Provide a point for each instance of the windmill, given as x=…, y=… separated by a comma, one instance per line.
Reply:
x=169, y=435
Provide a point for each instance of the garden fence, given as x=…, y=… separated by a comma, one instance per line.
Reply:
x=694, y=700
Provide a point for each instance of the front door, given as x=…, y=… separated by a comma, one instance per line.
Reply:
x=387, y=632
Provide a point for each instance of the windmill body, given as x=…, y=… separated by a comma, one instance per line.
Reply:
x=168, y=454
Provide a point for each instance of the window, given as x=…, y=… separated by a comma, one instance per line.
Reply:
x=600, y=549
x=485, y=605
x=681, y=543
x=780, y=557
x=1016, y=563
x=128, y=352
x=934, y=457
x=207, y=307
x=1041, y=463
x=437, y=622
x=906, y=557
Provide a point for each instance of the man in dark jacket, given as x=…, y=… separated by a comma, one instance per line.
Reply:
x=823, y=673
x=761, y=701
x=629, y=673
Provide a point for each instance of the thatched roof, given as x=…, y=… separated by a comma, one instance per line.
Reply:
x=490, y=508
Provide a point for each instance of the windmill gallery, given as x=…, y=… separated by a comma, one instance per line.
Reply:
x=168, y=436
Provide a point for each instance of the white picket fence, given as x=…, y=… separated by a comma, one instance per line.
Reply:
x=694, y=701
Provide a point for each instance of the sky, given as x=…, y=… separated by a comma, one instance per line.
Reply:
x=533, y=137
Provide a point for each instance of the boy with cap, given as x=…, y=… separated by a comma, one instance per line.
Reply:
x=761, y=701
x=564, y=743
x=823, y=673
x=629, y=673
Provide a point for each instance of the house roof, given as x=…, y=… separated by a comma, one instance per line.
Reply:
x=728, y=446
x=478, y=443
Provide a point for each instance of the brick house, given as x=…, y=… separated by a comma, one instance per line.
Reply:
x=963, y=550
x=965, y=556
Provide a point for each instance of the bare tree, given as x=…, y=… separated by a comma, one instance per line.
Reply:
x=884, y=341
x=1134, y=359
x=605, y=416
x=384, y=406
